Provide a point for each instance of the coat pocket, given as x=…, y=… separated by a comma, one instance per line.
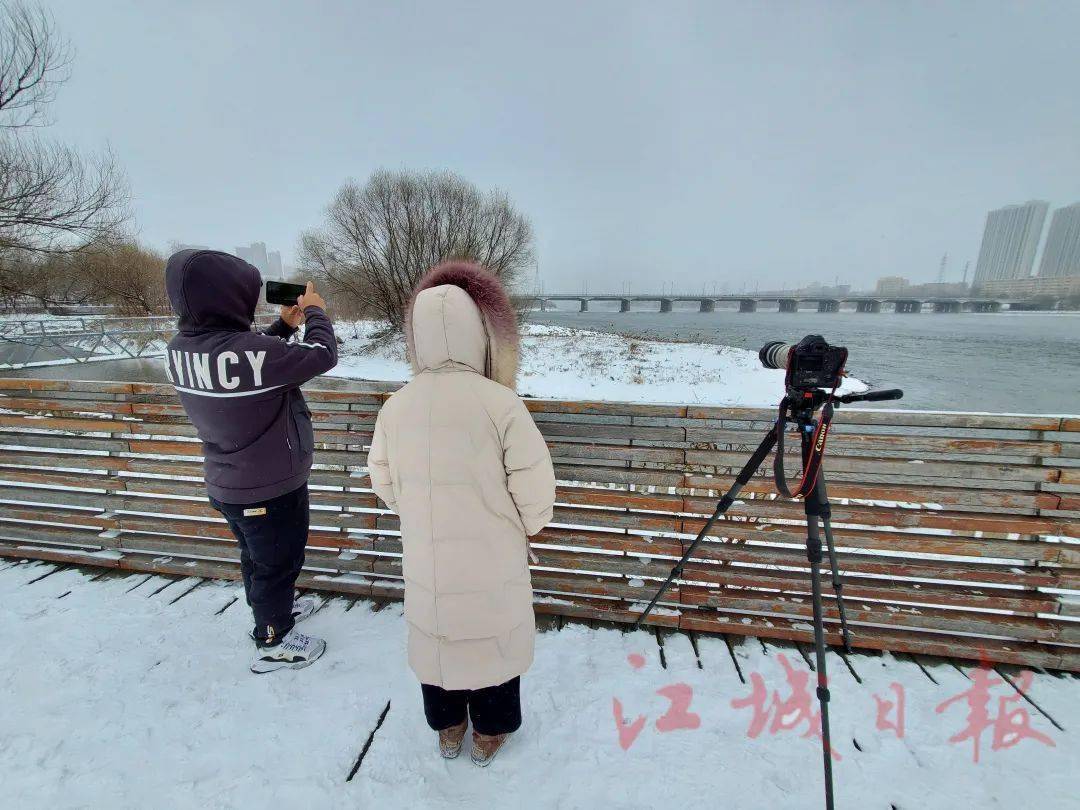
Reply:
x=300, y=415
x=484, y=614
x=473, y=615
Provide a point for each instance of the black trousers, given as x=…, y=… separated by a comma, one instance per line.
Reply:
x=493, y=709
x=272, y=536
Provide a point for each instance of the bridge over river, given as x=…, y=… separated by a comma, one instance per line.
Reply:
x=786, y=302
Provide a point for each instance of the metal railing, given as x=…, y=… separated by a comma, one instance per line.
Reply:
x=30, y=342
x=81, y=339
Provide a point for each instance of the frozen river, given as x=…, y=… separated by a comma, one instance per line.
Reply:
x=1018, y=362
x=1009, y=362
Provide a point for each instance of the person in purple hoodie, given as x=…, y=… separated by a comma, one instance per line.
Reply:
x=241, y=390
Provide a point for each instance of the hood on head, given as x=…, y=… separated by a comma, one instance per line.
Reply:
x=211, y=290
x=460, y=313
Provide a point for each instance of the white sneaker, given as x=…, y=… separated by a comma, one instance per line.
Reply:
x=295, y=651
x=303, y=607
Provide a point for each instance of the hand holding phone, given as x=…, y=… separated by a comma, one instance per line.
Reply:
x=310, y=298
x=293, y=316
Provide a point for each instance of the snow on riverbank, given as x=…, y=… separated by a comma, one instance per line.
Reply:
x=557, y=362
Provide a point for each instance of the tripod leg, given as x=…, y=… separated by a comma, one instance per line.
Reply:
x=812, y=506
x=822, y=497
x=822, y=675
x=741, y=479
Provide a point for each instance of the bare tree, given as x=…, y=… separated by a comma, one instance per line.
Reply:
x=41, y=280
x=380, y=237
x=52, y=198
x=126, y=275
x=122, y=274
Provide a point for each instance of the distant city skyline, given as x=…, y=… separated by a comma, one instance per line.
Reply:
x=268, y=262
x=1012, y=236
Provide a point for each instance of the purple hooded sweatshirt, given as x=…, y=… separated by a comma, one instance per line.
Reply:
x=241, y=388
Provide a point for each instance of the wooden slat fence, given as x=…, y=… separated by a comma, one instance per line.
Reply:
x=957, y=534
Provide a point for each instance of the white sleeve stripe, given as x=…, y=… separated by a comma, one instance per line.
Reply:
x=229, y=394
x=310, y=345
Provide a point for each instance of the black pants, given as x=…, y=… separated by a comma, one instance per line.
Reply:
x=493, y=709
x=272, y=535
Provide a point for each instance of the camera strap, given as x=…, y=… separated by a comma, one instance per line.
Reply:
x=812, y=466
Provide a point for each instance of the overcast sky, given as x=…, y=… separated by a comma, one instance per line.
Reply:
x=736, y=143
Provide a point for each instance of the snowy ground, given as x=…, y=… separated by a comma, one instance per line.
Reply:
x=133, y=692
x=557, y=362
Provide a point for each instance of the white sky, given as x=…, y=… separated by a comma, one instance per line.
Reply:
x=754, y=142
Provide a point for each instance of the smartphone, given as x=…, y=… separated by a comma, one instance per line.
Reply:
x=280, y=292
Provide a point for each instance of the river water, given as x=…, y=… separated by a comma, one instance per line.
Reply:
x=1008, y=362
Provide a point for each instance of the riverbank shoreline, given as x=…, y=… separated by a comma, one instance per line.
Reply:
x=565, y=363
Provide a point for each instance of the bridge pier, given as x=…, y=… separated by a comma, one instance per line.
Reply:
x=624, y=305
x=584, y=305
x=868, y=306
x=909, y=307
x=828, y=306
x=789, y=305
x=707, y=305
x=748, y=305
x=666, y=305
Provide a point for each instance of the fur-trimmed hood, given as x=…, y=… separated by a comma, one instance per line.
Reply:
x=460, y=314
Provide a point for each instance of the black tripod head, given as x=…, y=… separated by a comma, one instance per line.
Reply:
x=872, y=396
x=800, y=405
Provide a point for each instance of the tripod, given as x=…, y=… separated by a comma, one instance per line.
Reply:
x=798, y=407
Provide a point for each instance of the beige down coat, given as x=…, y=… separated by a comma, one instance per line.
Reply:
x=458, y=457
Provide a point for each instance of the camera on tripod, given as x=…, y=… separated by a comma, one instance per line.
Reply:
x=814, y=373
x=811, y=363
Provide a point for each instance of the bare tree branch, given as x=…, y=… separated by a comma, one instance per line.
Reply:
x=34, y=62
x=52, y=198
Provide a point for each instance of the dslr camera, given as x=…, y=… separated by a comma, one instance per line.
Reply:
x=810, y=364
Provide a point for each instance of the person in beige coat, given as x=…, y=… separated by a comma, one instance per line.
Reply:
x=458, y=457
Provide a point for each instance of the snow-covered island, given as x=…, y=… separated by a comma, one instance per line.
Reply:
x=562, y=363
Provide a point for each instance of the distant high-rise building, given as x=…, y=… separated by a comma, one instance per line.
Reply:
x=273, y=266
x=1061, y=254
x=1010, y=240
x=255, y=254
